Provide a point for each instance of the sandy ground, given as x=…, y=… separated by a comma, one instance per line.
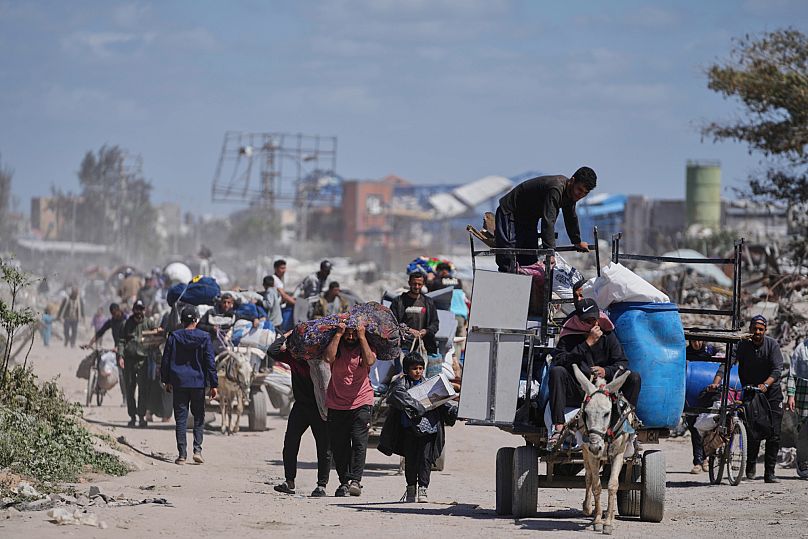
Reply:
x=232, y=492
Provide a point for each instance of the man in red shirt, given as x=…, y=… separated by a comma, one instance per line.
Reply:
x=349, y=399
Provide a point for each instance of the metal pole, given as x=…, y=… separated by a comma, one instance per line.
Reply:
x=597, y=251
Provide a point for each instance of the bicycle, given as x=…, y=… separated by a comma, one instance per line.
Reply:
x=93, y=387
x=731, y=456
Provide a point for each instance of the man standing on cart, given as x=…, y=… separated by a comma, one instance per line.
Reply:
x=540, y=199
x=760, y=364
x=587, y=340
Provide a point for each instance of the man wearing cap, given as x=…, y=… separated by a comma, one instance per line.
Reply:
x=540, y=199
x=188, y=367
x=760, y=364
x=314, y=284
x=132, y=356
x=587, y=340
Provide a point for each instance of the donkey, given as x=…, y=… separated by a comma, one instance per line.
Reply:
x=235, y=377
x=607, y=441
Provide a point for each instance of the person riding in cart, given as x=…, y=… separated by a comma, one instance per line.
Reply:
x=587, y=340
x=540, y=199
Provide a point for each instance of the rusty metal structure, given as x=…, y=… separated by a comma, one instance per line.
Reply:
x=272, y=169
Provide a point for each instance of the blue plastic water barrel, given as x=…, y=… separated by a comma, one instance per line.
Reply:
x=654, y=342
x=700, y=374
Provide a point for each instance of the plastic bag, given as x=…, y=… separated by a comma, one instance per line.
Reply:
x=108, y=371
x=564, y=276
x=619, y=284
x=706, y=422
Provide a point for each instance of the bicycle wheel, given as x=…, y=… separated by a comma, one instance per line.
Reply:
x=736, y=454
x=91, y=382
x=716, y=466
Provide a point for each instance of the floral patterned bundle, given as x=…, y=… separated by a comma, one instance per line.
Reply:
x=309, y=339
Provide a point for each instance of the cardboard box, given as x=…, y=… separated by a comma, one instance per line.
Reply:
x=433, y=392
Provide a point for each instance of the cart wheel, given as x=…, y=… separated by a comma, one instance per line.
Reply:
x=91, y=386
x=257, y=413
x=525, y=478
x=735, y=461
x=441, y=462
x=715, y=464
x=652, y=493
x=628, y=501
x=504, y=480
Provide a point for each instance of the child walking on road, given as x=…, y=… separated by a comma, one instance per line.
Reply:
x=413, y=432
x=187, y=368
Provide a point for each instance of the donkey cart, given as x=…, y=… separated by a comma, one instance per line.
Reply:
x=506, y=385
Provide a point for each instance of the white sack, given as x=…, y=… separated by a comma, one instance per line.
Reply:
x=108, y=371
x=706, y=422
x=617, y=284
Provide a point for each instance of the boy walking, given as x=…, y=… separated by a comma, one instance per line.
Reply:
x=187, y=368
x=412, y=432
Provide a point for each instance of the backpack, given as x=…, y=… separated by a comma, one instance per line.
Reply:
x=758, y=413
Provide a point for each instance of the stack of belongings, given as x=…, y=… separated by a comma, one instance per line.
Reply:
x=425, y=265
x=564, y=277
x=309, y=339
x=201, y=290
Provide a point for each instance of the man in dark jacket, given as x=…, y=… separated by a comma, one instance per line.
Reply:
x=304, y=414
x=133, y=357
x=540, y=199
x=418, y=313
x=187, y=369
x=115, y=323
x=760, y=364
x=587, y=340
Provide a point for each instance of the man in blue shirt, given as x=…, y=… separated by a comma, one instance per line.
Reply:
x=188, y=367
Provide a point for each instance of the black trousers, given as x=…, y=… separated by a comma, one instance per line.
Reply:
x=136, y=374
x=183, y=397
x=301, y=418
x=566, y=391
x=348, y=434
x=417, y=465
x=695, y=440
x=772, y=442
x=511, y=234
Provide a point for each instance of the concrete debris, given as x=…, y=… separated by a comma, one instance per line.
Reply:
x=37, y=505
x=25, y=489
x=62, y=516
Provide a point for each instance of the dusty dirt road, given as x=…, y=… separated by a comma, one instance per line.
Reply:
x=232, y=492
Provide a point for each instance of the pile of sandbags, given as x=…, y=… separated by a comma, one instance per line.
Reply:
x=309, y=339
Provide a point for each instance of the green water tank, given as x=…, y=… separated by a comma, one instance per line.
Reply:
x=703, y=194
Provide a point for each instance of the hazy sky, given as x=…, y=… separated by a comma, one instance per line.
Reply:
x=431, y=90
